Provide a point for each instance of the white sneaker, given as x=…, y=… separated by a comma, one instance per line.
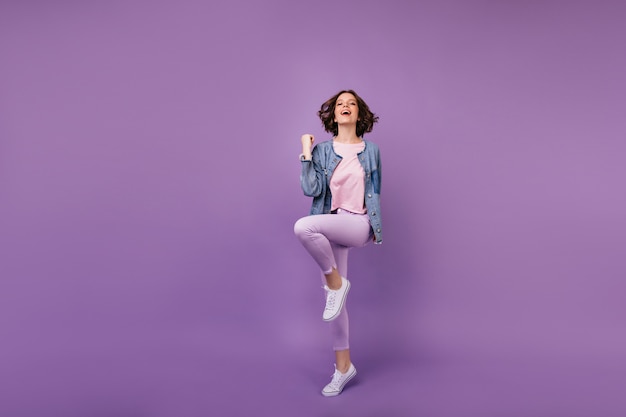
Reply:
x=338, y=382
x=335, y=300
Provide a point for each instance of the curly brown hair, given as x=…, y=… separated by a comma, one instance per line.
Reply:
x=366, y=121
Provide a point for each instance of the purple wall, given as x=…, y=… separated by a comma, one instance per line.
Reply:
x=149, y=184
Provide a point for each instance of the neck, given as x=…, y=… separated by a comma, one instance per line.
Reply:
x=347, y=134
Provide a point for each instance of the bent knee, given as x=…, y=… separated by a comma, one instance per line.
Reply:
x=302, y=227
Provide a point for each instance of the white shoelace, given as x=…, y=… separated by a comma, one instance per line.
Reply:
x=331, y=296
x=337, y=379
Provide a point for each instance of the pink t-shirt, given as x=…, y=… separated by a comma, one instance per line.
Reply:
x=347, y=184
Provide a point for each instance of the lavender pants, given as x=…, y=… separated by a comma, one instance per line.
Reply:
x=328, y=238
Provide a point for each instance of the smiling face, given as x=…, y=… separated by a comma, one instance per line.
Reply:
x=346, y=109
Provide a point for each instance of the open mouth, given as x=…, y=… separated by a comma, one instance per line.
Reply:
x=346, y=112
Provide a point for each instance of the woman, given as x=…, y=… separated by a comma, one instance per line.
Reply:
x=343, y=176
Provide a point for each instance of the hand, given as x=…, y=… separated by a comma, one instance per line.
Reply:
x=307, y=142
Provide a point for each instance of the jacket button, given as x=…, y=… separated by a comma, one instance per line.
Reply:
x=369, y=196
x=374, y=213
x=378, y=230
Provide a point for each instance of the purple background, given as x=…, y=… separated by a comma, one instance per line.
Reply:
x=149, y=184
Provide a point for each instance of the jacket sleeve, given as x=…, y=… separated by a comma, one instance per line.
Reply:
x=377, y=187
x=377, y=177
x=312, y=175
x=380, y=170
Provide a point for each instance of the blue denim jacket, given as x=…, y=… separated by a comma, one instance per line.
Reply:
x=315, y=179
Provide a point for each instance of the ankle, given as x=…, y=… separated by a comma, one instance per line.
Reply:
x=343, y=368
x=334, y=284
x=334, y=287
